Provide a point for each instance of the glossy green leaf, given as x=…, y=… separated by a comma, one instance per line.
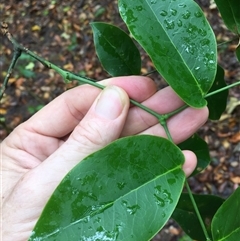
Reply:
x=230, y=13
x=238, y=52
x=226, y=221
x=185, y=215
x=180, y=42
x=200, y=148
x=116, y=50
x=126, y=191
x=217, y=103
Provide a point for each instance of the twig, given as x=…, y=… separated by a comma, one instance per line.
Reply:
x=69, y=76
x=17, y=53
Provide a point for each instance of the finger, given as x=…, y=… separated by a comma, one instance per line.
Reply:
x=190, y=162
x=60, y=116
x=162, y=102
x=101, y=125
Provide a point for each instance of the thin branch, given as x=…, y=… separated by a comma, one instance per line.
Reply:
x=16, y=54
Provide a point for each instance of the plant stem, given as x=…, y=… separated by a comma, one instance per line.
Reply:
x=197, y=212
x=170, y=114
x=227, y=42
x=222, y=89
x=163, y=123
x=69, y=76
x=16, y=55
x=149, y=73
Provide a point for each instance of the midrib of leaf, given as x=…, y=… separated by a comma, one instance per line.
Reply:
x=111, y=203
x=183, y=60
x=225, y=237
x=230, y=6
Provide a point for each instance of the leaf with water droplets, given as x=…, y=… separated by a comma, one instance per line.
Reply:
x=180, y=42
x=230, y=13
x=117, y=193
x=116, y=50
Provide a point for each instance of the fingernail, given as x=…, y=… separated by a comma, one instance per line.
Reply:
x=109, y=104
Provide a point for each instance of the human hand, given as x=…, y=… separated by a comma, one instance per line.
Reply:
x=40, y=152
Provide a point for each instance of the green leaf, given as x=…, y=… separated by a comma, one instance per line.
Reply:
x=200, y=148
x=217, y=103
x=126, y=191
x=226, y=221
x=238, y=52
x=116, y=50
x=230, y=13
x=180, y=42
x=185, y=215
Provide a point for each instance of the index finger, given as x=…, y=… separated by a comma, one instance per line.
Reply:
x=62, y=115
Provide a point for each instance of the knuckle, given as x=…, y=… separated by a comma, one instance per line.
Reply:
x=89, y=135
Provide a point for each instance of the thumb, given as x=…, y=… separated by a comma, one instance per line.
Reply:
x=101, y=125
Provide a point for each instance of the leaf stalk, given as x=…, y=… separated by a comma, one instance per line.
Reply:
x=197, y=212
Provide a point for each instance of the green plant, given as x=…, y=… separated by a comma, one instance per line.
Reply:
x=181, y=44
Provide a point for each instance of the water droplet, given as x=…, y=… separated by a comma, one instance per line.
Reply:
x=153, y=1
x=159, y=201
x=179, y=23
x=139, y=8
x=158, y=188
x=163, y=215
x=130, y=209
x=97, y=220
x=130, y=16
x=169, y=24
x=102, y=235
x=189, y=49
x=198, y=14
x=133, y=209
x=182, y=5
x=167, y=196
x=90, y=228
x=75, y=192
x=121, y=185
x=92, y=196
x=186, y=15
x=204, y=42
x=209, y=60
x=86, y=219
x=197, y=68
x=202, y=32
x=163, y=13
x=173, y=12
